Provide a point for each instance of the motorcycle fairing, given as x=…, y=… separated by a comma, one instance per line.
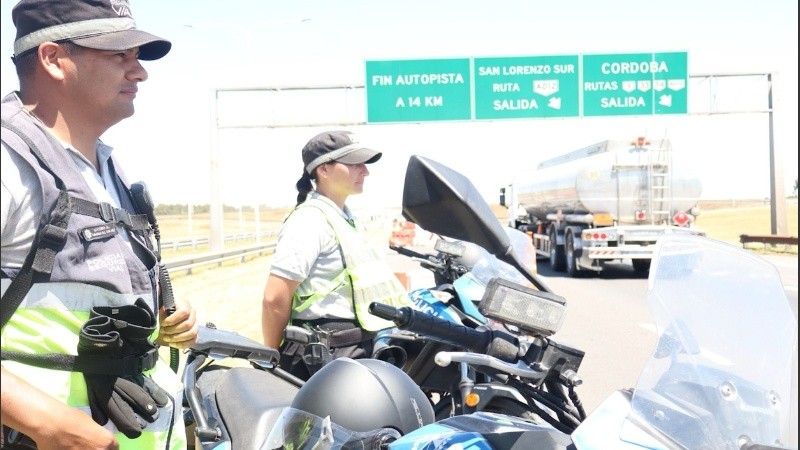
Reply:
x=483, y=431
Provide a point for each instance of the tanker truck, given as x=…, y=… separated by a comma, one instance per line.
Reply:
x=607, y=202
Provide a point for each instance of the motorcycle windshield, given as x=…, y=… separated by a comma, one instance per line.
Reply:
x=299, y=430
x=721, y=373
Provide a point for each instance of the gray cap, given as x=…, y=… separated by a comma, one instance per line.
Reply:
x=96, y=24
x=340, y=146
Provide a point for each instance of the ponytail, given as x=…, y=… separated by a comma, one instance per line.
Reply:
x=303, y=186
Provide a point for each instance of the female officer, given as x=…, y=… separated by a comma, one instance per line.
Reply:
x=324, y=274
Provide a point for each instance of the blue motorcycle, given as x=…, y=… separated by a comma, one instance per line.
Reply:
x=470, y=253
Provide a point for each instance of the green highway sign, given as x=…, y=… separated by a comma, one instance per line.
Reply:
x=635, y=84
x=526, y=87
x=418, y=90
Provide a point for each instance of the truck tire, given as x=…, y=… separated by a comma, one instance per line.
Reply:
x=641, y=265
x=557, y=257
x=571, y=260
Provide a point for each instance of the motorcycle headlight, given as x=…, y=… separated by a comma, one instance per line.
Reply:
x=451, y=248
x=531, y=310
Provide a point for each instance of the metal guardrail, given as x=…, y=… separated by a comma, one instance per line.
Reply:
x=186, y=264
x=178, y=244
x=767, y=239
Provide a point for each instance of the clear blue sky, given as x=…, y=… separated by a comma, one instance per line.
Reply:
x=264, y=43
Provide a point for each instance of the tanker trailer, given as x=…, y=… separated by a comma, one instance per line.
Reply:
x=607, y=202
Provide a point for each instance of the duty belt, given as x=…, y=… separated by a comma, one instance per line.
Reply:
x=343, y=338
x=336, y=332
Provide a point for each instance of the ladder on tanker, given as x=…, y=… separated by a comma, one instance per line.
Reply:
x=659, y=182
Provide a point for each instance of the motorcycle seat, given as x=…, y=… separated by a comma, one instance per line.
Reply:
x=250, y=402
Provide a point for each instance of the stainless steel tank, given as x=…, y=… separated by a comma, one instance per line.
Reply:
x=615, y=177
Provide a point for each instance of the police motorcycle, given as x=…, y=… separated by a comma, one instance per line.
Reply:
x=477, y=249
x=723, y=375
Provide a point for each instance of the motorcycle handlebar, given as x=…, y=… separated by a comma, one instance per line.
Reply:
x=496, y=343
x=407, y=252
x=445, y=265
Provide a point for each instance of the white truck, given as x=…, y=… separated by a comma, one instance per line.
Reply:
x=606, y=202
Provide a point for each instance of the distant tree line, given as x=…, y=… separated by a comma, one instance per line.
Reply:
x=178, y=209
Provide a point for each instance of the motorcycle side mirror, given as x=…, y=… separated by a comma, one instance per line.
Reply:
x=445, y=202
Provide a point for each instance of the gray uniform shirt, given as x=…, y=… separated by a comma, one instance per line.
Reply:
x=307, y=252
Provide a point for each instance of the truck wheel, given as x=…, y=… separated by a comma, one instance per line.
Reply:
x=557, y=256
x=571, y=262
x=641, y=265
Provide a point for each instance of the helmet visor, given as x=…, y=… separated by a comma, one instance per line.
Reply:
x=299, y=430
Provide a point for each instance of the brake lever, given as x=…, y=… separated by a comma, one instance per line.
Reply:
x=518, y=369
x=430, y=264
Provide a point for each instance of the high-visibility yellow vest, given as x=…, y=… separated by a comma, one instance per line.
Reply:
x=49, y=321
x=366, y=274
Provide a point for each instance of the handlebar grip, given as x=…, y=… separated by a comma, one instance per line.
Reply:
x=406, y=252
x=434, y=327
x=387, y=312
x=449, y=332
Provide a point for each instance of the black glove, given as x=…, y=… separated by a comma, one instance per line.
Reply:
x=130, y=401
x=129, y=405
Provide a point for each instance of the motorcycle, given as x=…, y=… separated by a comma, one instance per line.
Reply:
x=723, y=374
x=462, y=270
